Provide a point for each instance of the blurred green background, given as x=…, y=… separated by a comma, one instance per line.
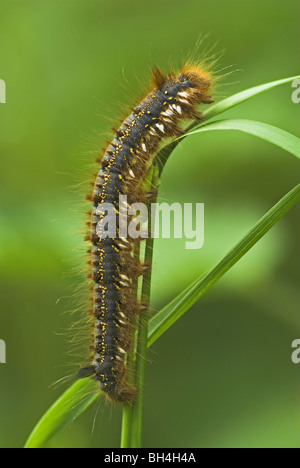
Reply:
x=222, y=376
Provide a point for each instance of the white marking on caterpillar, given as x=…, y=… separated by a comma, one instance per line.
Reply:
x=161, y=127
x=183, y=94
x=126, y=285
x=177, y=108
x=184, y=101
x=168, y=111
x=124, y=277
x=122, y=246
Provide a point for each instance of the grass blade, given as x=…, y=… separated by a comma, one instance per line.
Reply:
x=164, y=319
x=243, y=96
x=277, y=136
x=137, y=414
x=74, y=401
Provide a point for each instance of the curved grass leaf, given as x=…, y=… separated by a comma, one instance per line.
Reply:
x=243, y=96
x=74, y=401
x=173, y=311
x=277, y=136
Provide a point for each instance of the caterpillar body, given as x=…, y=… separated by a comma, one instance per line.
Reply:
x=173, y=98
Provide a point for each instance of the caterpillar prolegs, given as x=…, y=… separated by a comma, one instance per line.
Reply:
x=173, y=98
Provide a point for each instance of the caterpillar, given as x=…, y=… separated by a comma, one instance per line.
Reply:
x=172, y=99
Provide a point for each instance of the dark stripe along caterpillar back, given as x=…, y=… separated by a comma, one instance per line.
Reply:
x=123, y=168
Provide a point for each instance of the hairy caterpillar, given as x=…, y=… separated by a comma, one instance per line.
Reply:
x=173, y=98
